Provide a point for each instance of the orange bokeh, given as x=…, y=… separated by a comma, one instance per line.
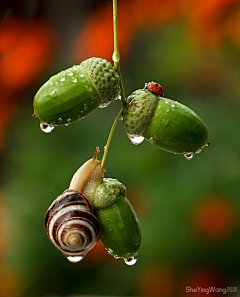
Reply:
x=206, y=20
x=97, y=255
x=215, y=217
x=26, y=48
x=96, y=38
x=156, y=281
x=10, y=283
x=208, y=23
x=196, y=281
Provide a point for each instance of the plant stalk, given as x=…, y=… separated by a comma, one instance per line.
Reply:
x=110, y=138
x=116, y=55
x=116, y=59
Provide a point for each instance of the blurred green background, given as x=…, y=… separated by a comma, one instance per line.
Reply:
x=188, y=210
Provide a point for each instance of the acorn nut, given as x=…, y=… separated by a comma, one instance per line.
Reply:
x=73, y=93
x=165, y=123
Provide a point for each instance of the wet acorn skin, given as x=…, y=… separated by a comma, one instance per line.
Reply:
x=165, y=123
x=122, y=238
x=177, y=129
x=63, y=98
x=73, y=93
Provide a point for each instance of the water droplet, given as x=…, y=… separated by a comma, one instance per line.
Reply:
x=188, y=156
x=53, y=93
x=199, y=151
x=119, y=97
x=69, y=120
x=173, y=105
x=50, y=83
x=103, y=105
x=62, y=79
x=74, y=80
x=81, y=75
x=165, y=122
x=56, y=83
x=136, y=139
x=60, y=120
x=70, y=74
x=75, y=259
x=46, y=128
x=131, y=261
x=88, y=88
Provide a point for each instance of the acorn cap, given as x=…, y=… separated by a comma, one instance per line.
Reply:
x=104, y=77
x=107, y=193
x=138, y=111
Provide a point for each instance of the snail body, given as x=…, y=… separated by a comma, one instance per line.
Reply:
x=165, y=123
x=73, y=93
x=71, y=225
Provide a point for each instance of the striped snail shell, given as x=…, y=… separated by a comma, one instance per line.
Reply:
x=71, y=225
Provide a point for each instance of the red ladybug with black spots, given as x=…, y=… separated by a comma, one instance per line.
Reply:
x=155, y=88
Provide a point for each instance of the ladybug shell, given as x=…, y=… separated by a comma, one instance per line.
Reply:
x=155, y=88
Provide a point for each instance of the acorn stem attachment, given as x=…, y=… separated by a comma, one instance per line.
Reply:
x=116, y=55
x=110, y=138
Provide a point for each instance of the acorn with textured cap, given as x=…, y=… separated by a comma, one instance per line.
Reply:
x=165, y=123
x=121, y=235
x=73, y=93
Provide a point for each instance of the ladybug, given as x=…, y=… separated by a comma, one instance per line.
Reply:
x=155, y=88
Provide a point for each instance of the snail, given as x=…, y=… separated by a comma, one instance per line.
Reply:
x=73, y=93
x=71, y=225
x=120, y=235
x=165, y=123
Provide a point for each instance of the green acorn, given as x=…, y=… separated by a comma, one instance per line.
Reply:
x=121, y=235
x=73, y=93
x=165, y=123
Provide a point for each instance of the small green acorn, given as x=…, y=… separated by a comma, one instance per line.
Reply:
x=165, y=123
x=73, y=93
x=121, y=235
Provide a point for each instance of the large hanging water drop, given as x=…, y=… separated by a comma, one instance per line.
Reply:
x=46, y=128
x=75, y=259
x=188, y=156
x=131, y=261
x=136, y=139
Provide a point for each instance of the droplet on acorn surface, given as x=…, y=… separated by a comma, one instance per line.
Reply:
x=188, y=156
x=131, y=261
x=136, y=139
x=46, y=128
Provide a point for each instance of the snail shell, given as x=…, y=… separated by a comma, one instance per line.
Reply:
x=71, y=226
